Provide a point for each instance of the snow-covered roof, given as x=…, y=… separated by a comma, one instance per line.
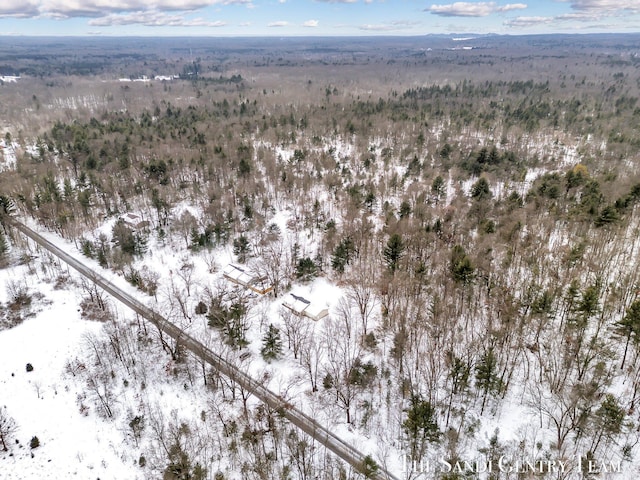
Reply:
x=237, y=275
x=296, y=303
x=134, y=220
x=316, y=312
x=301, y=306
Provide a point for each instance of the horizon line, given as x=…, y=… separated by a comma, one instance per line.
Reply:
x=369, y=35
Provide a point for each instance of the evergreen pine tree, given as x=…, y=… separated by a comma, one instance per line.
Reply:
x=271, y=344
x=342, y=255
x=405, y=209
x=609, y=420
x=241, y=247
x=480, y=190
x=369, y=467
x=608, y=215
x=393, y=252
x=487, y=378
x=420, y=426
x=629, y=327
x=4, y=246
x=235, y=326
x=306, y=269
x=438, y=187
x=461, y=267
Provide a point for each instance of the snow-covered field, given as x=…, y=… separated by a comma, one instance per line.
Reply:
x=43, y=402
x=7, y=156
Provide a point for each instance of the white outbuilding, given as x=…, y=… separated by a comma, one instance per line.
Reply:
x=303, y=307
x=243, y=277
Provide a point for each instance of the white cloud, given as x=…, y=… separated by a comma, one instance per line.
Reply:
x=19, y=8
x=469, y=9
x=278, y=24
x=100, y=8
x=580, y=16
x=152, y=19
x=512, y=6
x=606, y=6
x=587, y=11
x=528, y=21
x=463, y=9
x=591, y=12
x=310, y=23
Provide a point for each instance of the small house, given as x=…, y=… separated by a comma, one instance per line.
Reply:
x=296, y=304
x=246, y=279
x=134, y=221
x=316, y=312
x=304, y=308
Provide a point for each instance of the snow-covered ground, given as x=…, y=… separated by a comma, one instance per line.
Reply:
x=57, y=335
x=7, y=155
x=43, y=402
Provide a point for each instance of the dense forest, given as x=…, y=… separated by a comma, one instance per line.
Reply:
x=474, y=214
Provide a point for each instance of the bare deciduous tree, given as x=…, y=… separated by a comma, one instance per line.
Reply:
x=343, y=351
x=8, y=428
x=361, y=292
x=297, y=330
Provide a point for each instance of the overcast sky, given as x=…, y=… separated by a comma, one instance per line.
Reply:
x=313, y=17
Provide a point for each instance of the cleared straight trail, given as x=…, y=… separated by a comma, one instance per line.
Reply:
x=305, y=423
